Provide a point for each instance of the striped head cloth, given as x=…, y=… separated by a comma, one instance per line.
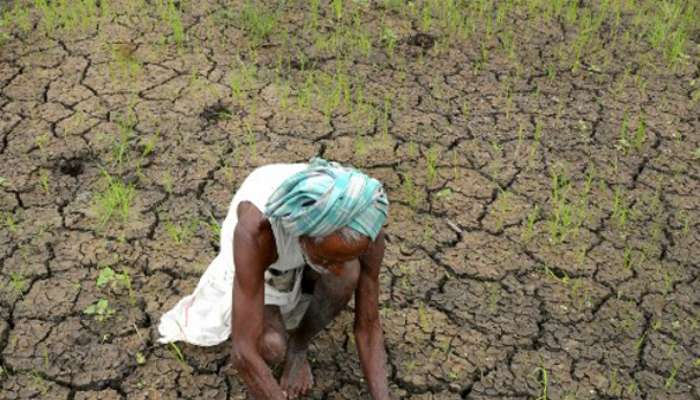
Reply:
x=327, y=196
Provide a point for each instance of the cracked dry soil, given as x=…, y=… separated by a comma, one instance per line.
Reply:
x=480, y=299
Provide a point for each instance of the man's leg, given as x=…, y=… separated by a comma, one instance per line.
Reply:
x=273, y=343
x=331, y=295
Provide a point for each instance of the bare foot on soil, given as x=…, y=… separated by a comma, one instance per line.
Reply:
x=297, y=378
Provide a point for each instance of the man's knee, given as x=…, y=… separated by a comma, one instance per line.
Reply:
x=274, y=347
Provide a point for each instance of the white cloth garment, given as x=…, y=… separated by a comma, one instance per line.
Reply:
x=204, y=317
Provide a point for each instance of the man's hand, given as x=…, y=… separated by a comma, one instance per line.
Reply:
x=368, y=329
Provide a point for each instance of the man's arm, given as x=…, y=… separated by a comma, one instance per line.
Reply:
x=251, y=256
x=368, y=328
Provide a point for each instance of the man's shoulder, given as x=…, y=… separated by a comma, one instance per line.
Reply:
x=253, y=222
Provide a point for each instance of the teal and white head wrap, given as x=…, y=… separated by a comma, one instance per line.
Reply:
x=326, y=197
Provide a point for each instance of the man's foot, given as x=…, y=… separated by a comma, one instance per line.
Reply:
x=296, y=378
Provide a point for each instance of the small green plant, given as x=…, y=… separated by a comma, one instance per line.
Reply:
x=410, y=191
x=543, y=381
x=39, y=382
x=431, y=158
x=671, y=380
x=530, y=224
x=696, y=155
x=44, y=180
x=242, y=79
x=389, y=39
x=620, y=210
x=181, y=233
x=18, y=283
x=175, y=350
x=360, y=145
x=115, y=200
x=100, y=309
x=9, y=222
x=108, y=276
x=258, y=22
x=170, y=14
x=640, y=135
x=445, y=193
x=567, y=216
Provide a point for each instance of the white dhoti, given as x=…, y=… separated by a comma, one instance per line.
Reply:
x=204, y=317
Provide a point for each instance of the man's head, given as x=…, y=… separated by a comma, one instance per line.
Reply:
x=326, y=197
x=328, y=254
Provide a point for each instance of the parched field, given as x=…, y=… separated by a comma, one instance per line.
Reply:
x=542, y=159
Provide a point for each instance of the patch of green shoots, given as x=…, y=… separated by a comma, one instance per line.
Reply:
x=620, y=209
x=181, y=233
x=258, y=22
x=116, y=280
x=44, y=180
x=101, y=310
x=115, y=200
x=530, y=223
x=566, y=216
x=431, y=158
x=18, y=283
x=171, y=15
x=8, y=221
x=390, y=40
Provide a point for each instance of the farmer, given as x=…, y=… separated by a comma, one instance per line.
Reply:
x=283, y=218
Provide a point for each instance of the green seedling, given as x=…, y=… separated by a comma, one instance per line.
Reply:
x=443, y=194
x=410, y=191
x=44, y=180
x=100, y=309
x=9, y=222
x=140, y=358
x=115, y=200
x=116, y=280
x=431, y=158
x=543, y=381
x=175, y=350
x=671, y=380
x=615, y=387
x=530, y=225
x=213, y=226
x=257, y=22
x=423, y=319
x=242, y=80
x=627, y=258
x=39, y=382
x=181, y=233
x=18, y=283
x=149, y=144
x=389, y=39
x=360, y=145
x=167, y=180
x=620, y=212
x=170, y=15
x=695, y=154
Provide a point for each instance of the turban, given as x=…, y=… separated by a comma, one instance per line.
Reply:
x=326, y=197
